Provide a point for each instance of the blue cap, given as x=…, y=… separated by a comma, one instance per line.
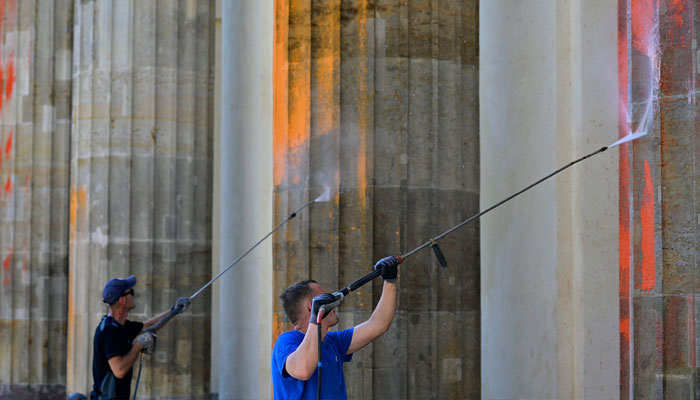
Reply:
x=116, y=287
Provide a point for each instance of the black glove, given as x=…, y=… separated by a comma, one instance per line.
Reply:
x=389, y=267
x=181, y=305
x=325, y=298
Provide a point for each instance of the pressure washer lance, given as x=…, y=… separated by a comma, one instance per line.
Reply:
x=433, y=243
x=181, y=305
x=177, y=308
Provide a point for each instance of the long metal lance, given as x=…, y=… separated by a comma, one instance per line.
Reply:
x=477, y=216
x=340, y=294
x=292, y=215
x=175, y=310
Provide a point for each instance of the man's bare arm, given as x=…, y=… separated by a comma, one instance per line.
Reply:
x=120, y=365
x=378, y=323
x=302, y=362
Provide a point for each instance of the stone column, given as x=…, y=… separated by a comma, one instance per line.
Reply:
x=34, y=154
x=141, y=179
x=549, y=271
x=244, y=202
x=377, y=101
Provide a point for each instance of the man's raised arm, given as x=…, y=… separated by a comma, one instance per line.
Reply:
x=380, y=320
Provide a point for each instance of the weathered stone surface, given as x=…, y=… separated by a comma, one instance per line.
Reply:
x=381, y=108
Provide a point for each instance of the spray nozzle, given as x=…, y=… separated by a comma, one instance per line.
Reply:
x=438, y=254
x=325, y=196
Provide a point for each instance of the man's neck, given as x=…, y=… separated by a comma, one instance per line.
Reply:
x=119, y=314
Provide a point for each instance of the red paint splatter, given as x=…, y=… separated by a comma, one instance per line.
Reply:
x=8, y=185
x=625, y=329
x=8, y=145
x=7, y=260
x=11, y=77
x=648, y=276
x=643, y=15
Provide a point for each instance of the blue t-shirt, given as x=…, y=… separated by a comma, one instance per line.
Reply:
x=333, y=355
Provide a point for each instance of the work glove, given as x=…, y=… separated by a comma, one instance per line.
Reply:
x=389, y=267
x=181, y=305
x=146, y=339
x=318, y=301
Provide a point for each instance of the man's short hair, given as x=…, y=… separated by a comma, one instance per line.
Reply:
x=293, y=297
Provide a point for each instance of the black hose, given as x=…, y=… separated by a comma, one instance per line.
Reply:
x=138, y=376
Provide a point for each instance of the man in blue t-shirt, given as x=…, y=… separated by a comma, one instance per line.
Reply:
x=295, y=355
x=118, y=341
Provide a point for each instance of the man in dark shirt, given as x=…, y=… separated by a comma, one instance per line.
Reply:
x=118, y=341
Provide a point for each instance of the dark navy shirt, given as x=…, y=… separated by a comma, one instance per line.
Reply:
x=333, y=355
x=112, y=339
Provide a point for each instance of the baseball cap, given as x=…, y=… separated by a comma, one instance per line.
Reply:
x=116, y=287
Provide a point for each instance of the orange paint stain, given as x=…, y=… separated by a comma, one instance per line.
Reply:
x=648, y=272
x=362, y=112
x=11, y=77
x=293, y=92
x=278, y=324
x=78, y=199
x=8, y=145
x=8, y=185
x=280, y=90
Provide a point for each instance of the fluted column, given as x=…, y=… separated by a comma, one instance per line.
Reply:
x=378, y=102
x=34, y=154
x=141, y=179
